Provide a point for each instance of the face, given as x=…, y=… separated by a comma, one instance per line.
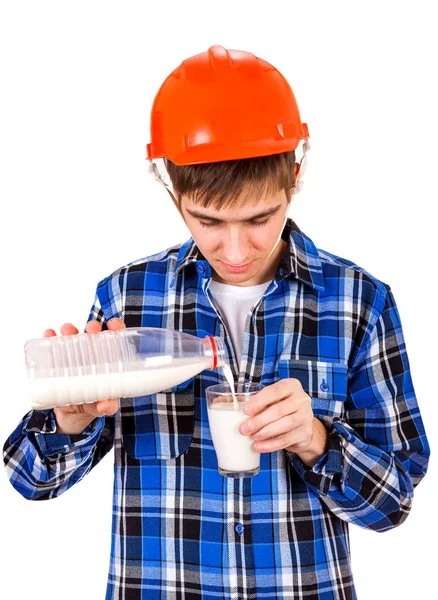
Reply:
x=237, y=241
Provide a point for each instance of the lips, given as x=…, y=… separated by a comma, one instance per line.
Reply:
x=238, y=268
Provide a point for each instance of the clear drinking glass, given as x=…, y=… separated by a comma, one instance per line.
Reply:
x=235, y=453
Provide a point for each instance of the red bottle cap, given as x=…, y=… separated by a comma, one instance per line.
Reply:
x=214, y=348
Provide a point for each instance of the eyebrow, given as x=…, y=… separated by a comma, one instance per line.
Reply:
x=265, y=213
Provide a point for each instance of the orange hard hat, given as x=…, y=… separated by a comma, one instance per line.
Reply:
x=224, y=105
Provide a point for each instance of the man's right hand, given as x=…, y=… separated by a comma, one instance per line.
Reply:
x=75, y=418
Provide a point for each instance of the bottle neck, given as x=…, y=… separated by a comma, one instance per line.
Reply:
x=216, y=350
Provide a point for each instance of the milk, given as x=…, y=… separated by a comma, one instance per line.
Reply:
x=49, y=392
x=228, y=374
x=234, y=451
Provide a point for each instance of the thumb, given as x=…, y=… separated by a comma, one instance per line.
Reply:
x=106, y=407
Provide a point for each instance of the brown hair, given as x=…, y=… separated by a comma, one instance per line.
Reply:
x=221, y=184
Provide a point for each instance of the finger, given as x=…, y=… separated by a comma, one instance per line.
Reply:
x=278, y=443
x=95, y=409
x=107, y=407
x=49, y=333
x=115, y=324
x=93, y=327
x=295, y=441
x=102, y=408
x=268, y=415
x=68, y=329
x=271, y=394
x=281, y=426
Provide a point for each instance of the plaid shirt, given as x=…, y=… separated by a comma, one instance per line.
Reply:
x=181, y=530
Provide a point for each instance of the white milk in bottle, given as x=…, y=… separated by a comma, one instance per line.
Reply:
x=61, y=391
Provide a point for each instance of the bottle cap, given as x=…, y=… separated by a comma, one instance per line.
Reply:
x=214, y=348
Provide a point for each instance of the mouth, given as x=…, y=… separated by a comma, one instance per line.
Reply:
x=237, y=268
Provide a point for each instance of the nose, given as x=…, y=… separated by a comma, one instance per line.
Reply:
x=235, y=245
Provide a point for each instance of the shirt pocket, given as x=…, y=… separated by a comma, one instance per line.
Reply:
x=324, y=382
x=159, y=426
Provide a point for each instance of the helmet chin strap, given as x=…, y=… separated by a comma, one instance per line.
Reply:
x=286, y=216
x=153, y=168
x=298, y=185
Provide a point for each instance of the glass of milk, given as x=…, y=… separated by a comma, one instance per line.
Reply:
x=235, y=453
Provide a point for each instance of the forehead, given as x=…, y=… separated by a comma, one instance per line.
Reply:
x=267, y=204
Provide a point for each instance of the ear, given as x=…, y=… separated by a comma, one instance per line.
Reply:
x=296, y=171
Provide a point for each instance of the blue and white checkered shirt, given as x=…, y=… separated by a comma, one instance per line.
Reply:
x=181, y=530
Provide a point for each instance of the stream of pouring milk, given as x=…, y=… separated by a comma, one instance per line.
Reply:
x=226, y=369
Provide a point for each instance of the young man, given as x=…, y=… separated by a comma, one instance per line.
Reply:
x=337, y=423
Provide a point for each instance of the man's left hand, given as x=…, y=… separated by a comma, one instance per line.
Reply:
x=282, y=418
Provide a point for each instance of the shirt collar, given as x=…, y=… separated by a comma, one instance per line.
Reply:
x=300, y=259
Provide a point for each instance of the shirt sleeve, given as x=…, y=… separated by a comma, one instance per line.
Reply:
x=378, y=451
x=42, y=463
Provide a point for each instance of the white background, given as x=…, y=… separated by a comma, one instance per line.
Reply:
x=77, y=83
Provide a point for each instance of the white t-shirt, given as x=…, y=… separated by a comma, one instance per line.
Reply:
x=234, y=303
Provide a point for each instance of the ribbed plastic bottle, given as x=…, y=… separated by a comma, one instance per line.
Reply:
x=131, y=362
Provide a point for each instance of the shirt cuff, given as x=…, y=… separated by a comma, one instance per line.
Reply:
x=321, y=475
x=41, y=426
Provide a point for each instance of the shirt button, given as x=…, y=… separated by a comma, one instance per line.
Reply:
x=201, y=269
x=281, y=271
x=239, y=528
x=324, y=387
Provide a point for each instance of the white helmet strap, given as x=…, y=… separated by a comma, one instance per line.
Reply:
x=158, y=168
x=298, y=186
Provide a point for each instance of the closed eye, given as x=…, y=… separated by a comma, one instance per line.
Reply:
x=217, y=223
